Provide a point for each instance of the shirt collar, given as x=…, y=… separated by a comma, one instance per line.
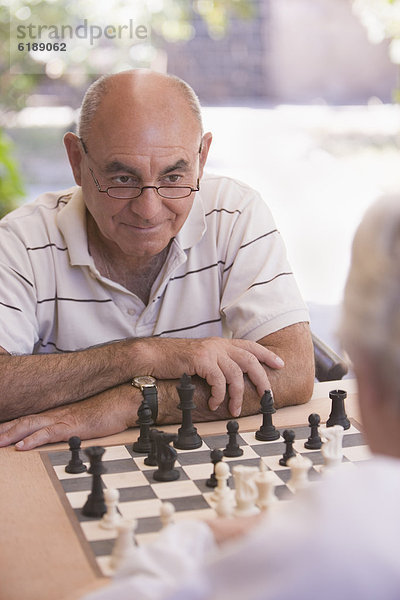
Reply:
x=71, y=221
x=195, y=225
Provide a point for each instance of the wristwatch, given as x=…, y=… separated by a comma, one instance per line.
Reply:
x=148, y=387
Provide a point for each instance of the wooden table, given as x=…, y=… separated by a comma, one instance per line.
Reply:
x=40, y=555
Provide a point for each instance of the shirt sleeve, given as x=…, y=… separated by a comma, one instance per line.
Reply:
x=158, y=568
x=260, y=294
x=18, y=322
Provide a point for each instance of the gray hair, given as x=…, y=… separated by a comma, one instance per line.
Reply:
x=371, y=306
x=98, y=89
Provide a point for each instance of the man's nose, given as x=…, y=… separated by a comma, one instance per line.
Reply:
x=148, y=204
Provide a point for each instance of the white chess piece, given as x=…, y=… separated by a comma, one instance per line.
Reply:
x=167, y=512
x=222, y=496
x=265, y=482
x=299, y=466
x=332, y=448
x=125, y=549
x=246, y=490
x=112, y=517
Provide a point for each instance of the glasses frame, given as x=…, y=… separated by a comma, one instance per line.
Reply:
x=189, y=189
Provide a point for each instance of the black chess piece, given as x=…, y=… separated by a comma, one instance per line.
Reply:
x=75, y=464
x=289, y=436
x=95, y=505
x=166, y=457
x=338, y=414
x=151, y=458
x=216, y=457
x=267, y=431
x=314, y=442
x=145, y=421
x=188, y=438
x=232, y=448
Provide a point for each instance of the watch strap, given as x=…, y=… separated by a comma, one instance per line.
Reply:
x=150, y=395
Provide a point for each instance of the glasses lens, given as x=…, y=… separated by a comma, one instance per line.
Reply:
x=124, y=193
x=174, y=192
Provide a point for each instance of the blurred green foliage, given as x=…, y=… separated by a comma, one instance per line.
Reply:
x=170, y=21
x=381, y=18
x=11, y=186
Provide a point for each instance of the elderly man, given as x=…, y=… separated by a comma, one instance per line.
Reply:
x=146, y=270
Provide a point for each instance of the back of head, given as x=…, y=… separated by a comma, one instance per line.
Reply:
x=371, y=307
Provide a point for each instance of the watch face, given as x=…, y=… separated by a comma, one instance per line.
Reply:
x=145, y=380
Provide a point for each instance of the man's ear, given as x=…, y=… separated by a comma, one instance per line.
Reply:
x=205, y=147
x=74, y=150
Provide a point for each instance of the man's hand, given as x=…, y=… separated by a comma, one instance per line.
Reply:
x=105, y=414
x=221, y=362
x=226, y=529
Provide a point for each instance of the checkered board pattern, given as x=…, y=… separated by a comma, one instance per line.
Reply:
x=141, y=496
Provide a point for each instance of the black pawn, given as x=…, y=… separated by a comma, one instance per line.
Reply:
x=166, y=457
x=145, y=421
x=75, y=465
x=288, y=435
x=216, y=457
x=232, y=447
x=188, y=438
x=267, y=431
x=314, y=442
x=151, y=459
x=338, y=414
x=95, y=505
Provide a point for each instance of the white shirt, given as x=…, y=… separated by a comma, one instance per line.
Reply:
x=226, y=275
x=340, y=540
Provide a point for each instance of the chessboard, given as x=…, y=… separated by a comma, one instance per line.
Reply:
x=141, y=497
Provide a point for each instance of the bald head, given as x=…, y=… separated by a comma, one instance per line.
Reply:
x=140, y=92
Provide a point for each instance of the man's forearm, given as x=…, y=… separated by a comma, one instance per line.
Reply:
x=115, y=409
x=33, y=383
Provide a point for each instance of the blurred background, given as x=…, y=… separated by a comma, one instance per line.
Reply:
x=301, y=96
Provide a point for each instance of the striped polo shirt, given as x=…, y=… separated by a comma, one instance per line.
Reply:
x=226, y=275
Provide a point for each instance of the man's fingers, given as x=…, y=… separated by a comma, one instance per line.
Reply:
x=250, y=365
x=258, y=377
x=18, y=429
x=34, y=430
x=262, y=353
x=216, y=380
x=231, y=376
x=58, y=432
x=235, y=381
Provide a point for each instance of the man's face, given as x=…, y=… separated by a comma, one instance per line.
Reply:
x=140, y=226
x=146, y=143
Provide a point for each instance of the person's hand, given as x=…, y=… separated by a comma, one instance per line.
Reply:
x=221, y=362
x=98, y=416
x=227, y=529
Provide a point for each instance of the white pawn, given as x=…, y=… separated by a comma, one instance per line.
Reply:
x=222, y=496
x=112, y=517
x=332, y=448
x=299, y=467
x=125, y=549
x=246, y=490
x=265, y=482
x=167, y=512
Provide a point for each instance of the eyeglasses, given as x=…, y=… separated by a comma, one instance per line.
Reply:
x=128, y=192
